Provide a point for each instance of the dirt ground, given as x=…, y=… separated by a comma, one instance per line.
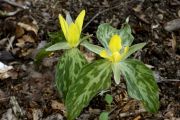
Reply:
x=30, y=93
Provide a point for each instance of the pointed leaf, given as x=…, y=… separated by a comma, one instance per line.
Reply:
x=58, y=46
x=67, y=69
x=141, y=84
x=126, y=34
x=94, y=48
x=134, y=48
x=116, y=72
x=92, y=79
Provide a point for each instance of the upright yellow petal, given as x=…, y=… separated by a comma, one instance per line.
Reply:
x=73, y=35
x=79, y=20
x=115, y=43
x=64, y=26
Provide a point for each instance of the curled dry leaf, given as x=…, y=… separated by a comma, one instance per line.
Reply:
x=57, y=105
x=32, y=27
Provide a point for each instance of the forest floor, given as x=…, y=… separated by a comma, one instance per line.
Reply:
x=29, y=92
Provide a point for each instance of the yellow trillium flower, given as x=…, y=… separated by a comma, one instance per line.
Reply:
x=72, y=31
x=116, y=51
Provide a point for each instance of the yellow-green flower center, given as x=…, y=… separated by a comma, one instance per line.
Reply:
x=117, y=51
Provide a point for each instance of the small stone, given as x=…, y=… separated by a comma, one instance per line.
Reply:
x=179, y=13
x=160, y=16
x=172, y=25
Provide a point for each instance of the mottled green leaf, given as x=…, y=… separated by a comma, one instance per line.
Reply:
x=141, y=84
x=58, y=46
x=134, y=48
x=106, y=31
x=67, y=69
x=94, y=48
x=116, y=72
x=104, y=116
x=126, y=34
x=92, y=79
x=108, y=98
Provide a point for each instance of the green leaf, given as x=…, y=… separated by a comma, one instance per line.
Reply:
x=54, y=37
x=104, y=116
x=58, y=46
x=106, y=31
x=94, y=48
x=41, y=54
x=116, y=72
x=126, y=34
x=141, y=84
x=92, y=79
x=108, y=98
x=134, y=48
x=67, y=69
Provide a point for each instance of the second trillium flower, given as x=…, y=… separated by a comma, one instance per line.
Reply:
x=72, y=30
x=116, y=51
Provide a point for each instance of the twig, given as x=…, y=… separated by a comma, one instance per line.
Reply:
x=99, y=14
x=127, y=114
x=14, y=4
x=160, y=79
x=10, y=46
x=8, y=14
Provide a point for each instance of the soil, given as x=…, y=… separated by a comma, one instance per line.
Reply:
x=32, y=87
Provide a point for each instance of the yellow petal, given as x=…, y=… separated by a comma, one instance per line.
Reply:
x=64, y=25
x=115, y=43
x=79, y=20
x=126, y=49
x=73, y=35
x=104, y=54
x=116, y=57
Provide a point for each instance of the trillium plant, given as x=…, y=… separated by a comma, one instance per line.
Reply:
x=78, y=81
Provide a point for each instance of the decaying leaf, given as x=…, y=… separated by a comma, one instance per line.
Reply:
x=4, y=71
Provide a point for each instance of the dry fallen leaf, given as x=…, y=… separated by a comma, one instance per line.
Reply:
x=4, y=71
x=57, y=105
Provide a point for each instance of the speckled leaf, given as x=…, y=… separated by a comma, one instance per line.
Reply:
x=141, y=84
x=67, y=69
x=116, y=72
x=106, y=31
x=133, y=49
x=58, y=46
x=126, y=34
x=92, y=79
x=94, y=48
